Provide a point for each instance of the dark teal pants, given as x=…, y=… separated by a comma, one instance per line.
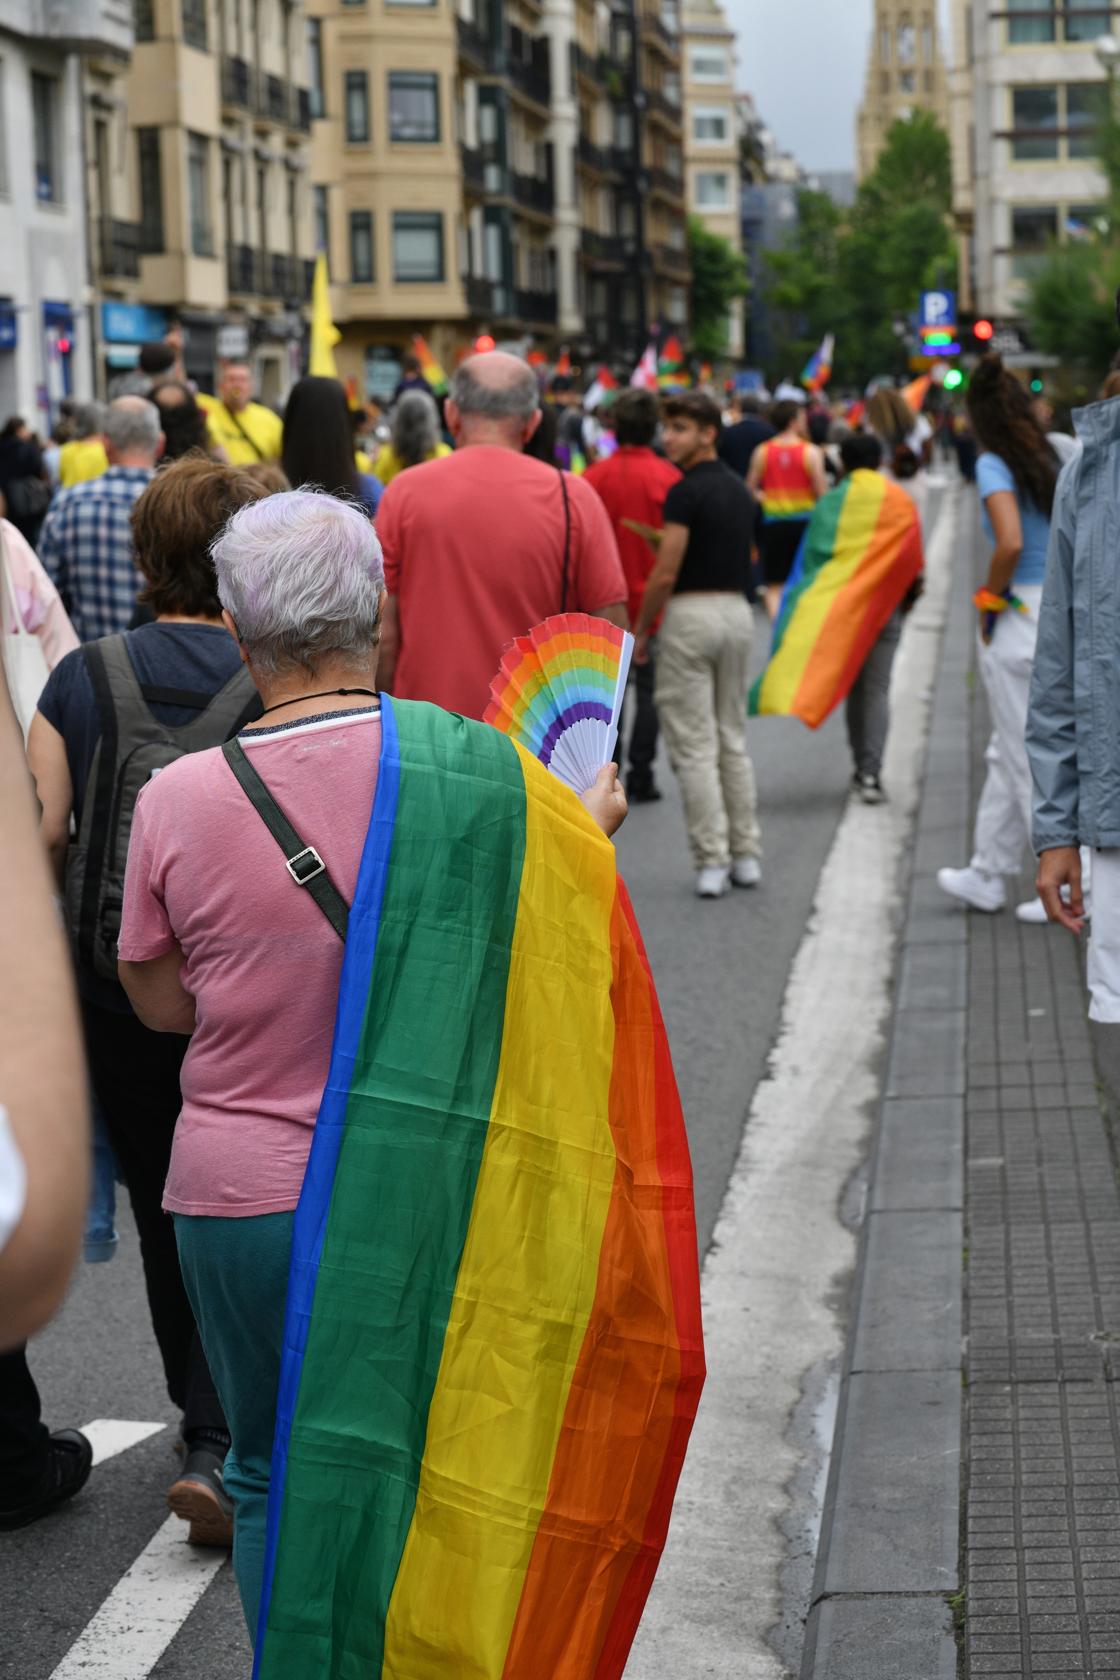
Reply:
x=236, y=1276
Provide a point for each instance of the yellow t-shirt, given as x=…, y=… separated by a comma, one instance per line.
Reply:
x=263, y=428
x=80, y=459
x=389, y=463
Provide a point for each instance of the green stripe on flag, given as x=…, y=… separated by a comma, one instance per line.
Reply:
x=416, y=1123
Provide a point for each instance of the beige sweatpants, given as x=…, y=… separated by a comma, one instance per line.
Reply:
x=702, y=656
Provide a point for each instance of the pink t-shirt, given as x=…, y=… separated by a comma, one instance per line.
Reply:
x=474, y=553
x=261, y=960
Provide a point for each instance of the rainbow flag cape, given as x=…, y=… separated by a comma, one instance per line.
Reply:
x=493, y=1351
x=860, y=555
x=430, y=369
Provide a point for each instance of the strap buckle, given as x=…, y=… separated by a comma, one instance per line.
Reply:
x=304, y=866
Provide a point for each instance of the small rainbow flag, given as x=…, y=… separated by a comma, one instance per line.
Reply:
x=493, y=1354
x=861, y=553
x=818, y=369
x=430, y=369
x=672, y=374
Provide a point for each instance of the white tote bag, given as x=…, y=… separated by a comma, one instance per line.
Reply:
x=25, y=664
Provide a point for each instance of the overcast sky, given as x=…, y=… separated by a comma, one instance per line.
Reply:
x=804, y=61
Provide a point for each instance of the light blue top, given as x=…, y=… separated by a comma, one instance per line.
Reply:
x=992, y=474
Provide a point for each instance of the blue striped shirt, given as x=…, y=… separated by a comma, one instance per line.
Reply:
x=86, y=547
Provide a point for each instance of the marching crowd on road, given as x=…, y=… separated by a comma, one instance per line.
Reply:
x=217, y=624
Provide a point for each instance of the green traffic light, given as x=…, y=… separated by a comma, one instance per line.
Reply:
x=1036, y=386
x=954, y=379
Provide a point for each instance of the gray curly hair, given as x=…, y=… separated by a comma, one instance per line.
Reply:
x=415, y=427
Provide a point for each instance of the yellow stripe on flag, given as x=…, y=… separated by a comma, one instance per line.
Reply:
x=533, y=1246
x=858, y=519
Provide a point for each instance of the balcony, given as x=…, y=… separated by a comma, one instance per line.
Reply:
x=531, y=192
x=604, y=160
x=528, y=66
x=588, y=65
x=80, y=26
x=671, y=260
x=299, y=116
x=118, y=245
x=237, y=83
x=286, y=276
x=664, y=108
x=241, y=269
x=475, y=48
x=491, y=299
x=613, y=249
x=474, y=171
x=663, y=181
x=272, y=98
x=660, y=34
x=539, y=308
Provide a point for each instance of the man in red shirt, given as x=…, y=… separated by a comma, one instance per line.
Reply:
x=633, y=484
x=487, y=542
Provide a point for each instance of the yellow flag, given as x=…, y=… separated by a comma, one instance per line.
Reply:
x=324, y=334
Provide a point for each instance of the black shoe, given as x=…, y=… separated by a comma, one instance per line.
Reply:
x=198, y=1495
x=67, y=1472
x=869, y=789
x=642, y=790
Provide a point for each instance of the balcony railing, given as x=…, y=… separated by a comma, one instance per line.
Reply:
x=528, y=65
x=300, y=109
x=491, y=299
x=241, y=269
x=588, y=65
x=660, y=31
x=474, y=170
x=661, y=105
x=287, y=276
x=664, y=181
x=605, y=247
x=671, y=258
x=272, y=98
x=194, y=24
x=531, y=192
x=604, y=159
x=474, y=46
x=237, y=83
x=538, y=307
x=119, y=247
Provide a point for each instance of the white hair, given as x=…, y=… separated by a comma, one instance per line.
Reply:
x=300, y=574
x=132, y=426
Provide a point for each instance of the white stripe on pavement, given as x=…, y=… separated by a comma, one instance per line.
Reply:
x=775, y=1279
x=110, y=1436
x=144, y=1611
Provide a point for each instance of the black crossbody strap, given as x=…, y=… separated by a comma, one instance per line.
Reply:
x=252, y=442
x=304, y=864
x=567, y=542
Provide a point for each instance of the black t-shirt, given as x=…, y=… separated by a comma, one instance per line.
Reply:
x=736, y=444
x=719, y=511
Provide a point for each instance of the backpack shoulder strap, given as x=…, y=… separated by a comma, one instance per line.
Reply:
x=235, y=704
x=304, y=864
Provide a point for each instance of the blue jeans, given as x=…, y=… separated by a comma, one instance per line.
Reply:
x=101, y=1229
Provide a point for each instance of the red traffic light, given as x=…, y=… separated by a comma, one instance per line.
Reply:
x=983, y=330
x=64, y=346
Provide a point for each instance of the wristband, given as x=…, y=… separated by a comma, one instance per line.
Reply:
x=987, y=601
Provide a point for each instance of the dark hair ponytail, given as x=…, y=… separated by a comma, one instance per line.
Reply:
x=999, y=407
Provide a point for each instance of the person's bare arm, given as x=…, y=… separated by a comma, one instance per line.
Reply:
x=1007, y=525
x=157, y=994
x=390, y=644
x=46, y=754
x=42, y=1070
x=818, y=476
x=660, y=584
x=1060, y=867
x=614, y=612
x=756, y=470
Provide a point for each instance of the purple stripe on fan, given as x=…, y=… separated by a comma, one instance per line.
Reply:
x=584, y=709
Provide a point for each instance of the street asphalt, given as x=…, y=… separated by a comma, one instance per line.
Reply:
x=721, y=969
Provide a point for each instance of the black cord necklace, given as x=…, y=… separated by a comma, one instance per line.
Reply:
x=323, y=694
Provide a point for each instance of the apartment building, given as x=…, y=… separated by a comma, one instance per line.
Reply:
x=1028, y=90
x=905, y=72
x=46, y=338
x=199, y=188
x=714, y=137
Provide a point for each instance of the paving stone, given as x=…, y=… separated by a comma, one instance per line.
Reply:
x=880, y=1639
x=910, y=1308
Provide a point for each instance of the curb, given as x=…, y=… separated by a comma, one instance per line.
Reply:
x=888, y=1559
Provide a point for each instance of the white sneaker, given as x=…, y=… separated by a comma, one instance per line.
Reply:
x=973, y=887
x=712, y=882
x=1032, y=911
x=745, y=872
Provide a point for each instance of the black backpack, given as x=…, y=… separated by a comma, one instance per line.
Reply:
x=133, y=747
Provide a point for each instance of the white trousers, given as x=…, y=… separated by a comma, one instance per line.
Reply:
x=1003, y=817
x=1104, y=938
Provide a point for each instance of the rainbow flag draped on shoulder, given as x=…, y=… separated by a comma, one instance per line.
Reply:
x=861, y=554
x=493, y=1350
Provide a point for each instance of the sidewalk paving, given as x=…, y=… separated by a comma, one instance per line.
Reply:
x=972, y=1521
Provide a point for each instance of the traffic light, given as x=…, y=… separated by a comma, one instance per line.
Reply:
x=983, y=331
x=1036, y=386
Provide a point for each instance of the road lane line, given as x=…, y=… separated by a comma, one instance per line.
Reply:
x=110, y=1436
x=145, y=1610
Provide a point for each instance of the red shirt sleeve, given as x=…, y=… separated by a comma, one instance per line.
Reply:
x=597, y=576
x=388, y=524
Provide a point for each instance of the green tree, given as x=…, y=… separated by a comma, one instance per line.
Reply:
x=719, y=276
x=855, y=274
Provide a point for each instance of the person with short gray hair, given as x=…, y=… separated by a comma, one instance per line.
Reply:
x=414, y=437
x=488, y=540
x=86, y=545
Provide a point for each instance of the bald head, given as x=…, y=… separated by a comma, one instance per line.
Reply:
x=494, y=399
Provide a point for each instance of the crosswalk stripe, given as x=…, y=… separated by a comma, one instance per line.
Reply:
x=145, y=1610
x=110, y=1436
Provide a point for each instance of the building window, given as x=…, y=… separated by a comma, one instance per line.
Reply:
x=357, y=106
x=316, y=103
x=1034, y=120
x=907, y=42
x=927, y=39
x=712, y=189
x=1051, y=123
x=1031, y=23
x=198, y=192
x=711, y=125
x=44, y=123
x=1025, y=29
x=321, y=209
x=1086, y=110
x=194, y=24
x=144, y=20
x=1034, y=231
x=1085, y=21
x=361, y=247
x=417, y=246
x=709, y=64
x=150, y=183
x=413, y=106
x=906, y=81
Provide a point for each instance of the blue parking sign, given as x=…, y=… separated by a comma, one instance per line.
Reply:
x=939, y=310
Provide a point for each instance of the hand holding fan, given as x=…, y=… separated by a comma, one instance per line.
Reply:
x=559, y=694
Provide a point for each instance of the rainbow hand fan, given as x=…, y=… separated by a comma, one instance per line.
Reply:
x=559, y=694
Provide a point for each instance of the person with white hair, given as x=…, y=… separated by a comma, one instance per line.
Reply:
x=414, y=436
x=238, y=941
x=86, y=545
x=490, y=541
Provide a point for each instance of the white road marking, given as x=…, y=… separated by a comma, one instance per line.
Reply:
x=110, y=1436
x=145, y=1610
x=780, y=1249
